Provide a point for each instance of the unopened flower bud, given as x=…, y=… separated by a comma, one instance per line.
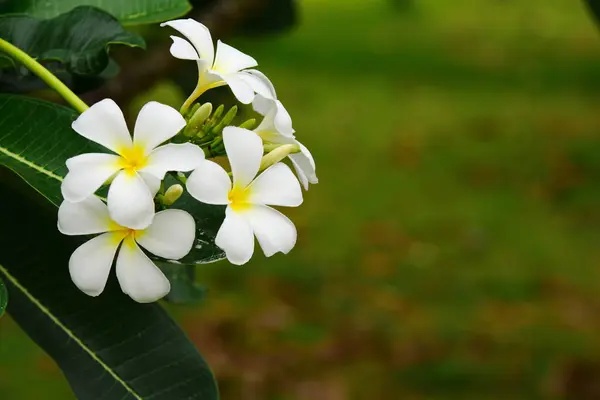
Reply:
x=249, y=124
x=195, y=123
x=227, y=119
x=172, y=194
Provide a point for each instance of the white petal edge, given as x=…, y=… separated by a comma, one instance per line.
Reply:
x=87, y=172
x=209, y=183
x=277, y=119
x=272, y=94
x=258, y=84
x=274, y=231
x=138, y=276
x=197, y=34
x=155, y=124
x=173, y=157
x=304, y=164
x=276, y=186
x=240, y=89
x=151, y=181
x=130, y=201
x=104, y=124
x=171, y=234
x=183, y=49
x=244, y=149
x=230, y=60
x=84, y=218
x=90, y=263
x=235, y=237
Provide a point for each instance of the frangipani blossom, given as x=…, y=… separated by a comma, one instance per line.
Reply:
x=247, y=213
x=227, y=67
x=138, y=165
x=276, y=127
x=171, y=235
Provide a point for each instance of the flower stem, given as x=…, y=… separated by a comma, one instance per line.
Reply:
x=45, y=75
x=199, y=91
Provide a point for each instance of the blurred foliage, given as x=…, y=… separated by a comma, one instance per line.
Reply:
x=451, y=248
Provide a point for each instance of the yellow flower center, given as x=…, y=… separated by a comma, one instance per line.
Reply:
x=238, y=198
x=133, y=159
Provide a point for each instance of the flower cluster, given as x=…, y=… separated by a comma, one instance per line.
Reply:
x=167, y=141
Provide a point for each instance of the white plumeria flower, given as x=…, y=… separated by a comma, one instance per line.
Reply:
x=227, y=67
x=247, y=214
x=276, y=127
x=171, y=235
x=140, y=164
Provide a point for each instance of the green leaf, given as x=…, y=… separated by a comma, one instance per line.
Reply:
x=129, y=12
x=109, y=347
x=38, y=149
x=3, y=297
x=184, y=289
x=79, y=39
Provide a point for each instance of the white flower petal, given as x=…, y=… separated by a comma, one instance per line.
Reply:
x=257, y=83
x=304, y=164
x=84, y=218
x=209, y=183
x=271, y=94
x=276, y=120
x=156, y=123
x=230, y=60
x=130, y=201
x=183, y=50
x=90, y=263
x=240, y=89
x=276, y=186
x=274, y=231
x=197, y=34
x=235, y=238
x=171, y=234
x=244, y=149
x=87, y=172
x=138, y=276
x=173, y=157
x=151, y=181
x=104, y=124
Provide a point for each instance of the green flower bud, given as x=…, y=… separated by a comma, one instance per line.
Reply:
x=195, y=124
x=249, y=124
x=226, y=119
x=277, y=155
x=172, y=194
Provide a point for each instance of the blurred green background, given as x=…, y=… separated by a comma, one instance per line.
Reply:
x=450, y=250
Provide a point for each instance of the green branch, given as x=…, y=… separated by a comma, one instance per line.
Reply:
x=45, y=75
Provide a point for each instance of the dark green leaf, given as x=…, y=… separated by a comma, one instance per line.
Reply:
x=184, y=289
x=108, y=347
x=79, y=39
x=38, y=149
x=129, y=12
x=3, y=297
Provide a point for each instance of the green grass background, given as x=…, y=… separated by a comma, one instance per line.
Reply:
x=450, y=250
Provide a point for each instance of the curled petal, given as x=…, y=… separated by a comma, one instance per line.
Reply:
x=155, y=124
x=138, y=276
x=197, y=34
x=84, y=218
x=239, y=87
x=90, y=263
x=130, y=201
x=173, y=157
x=235, y=238
x=274, y=231
x=87, y=172
x=259, y=85
x=276, y=186
x=171, y=234
x=304, y=164
x=209, y=183
x=104, y=124
x=230, y=60
x=266, y=82
x=277, y=119
x=183, y=50
x=244, y=149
